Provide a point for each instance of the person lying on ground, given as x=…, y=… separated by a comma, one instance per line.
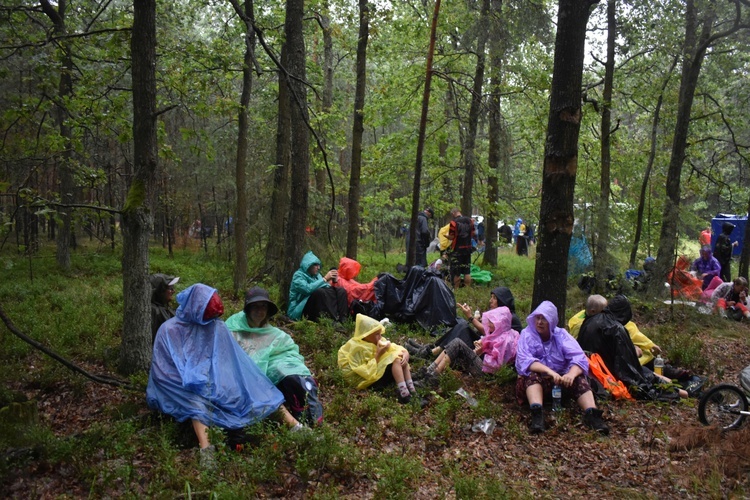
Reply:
x=547, y=356
x=594, y=305
x=706, y=266
x=162, y=292
x=312, y=296
x=605, y=334
x=493, y=350
x=277, y=356
x=732, y=297
x=471, y=329
x=370, y=360
x=200, y=374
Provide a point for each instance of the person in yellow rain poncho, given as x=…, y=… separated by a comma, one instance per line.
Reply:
x=369, y=360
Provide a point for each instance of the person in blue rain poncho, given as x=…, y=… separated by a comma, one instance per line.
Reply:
x=199, y=373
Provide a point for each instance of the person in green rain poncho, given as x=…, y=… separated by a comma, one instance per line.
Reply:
x=277, y=355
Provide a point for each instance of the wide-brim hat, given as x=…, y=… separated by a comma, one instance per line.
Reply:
x=257, y=294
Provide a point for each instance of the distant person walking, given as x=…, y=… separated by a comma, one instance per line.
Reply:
x=461, y=233
x=705, y=237
x=723, y=251
x=423, y=236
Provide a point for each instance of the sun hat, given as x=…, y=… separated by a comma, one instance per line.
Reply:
x=257, y=294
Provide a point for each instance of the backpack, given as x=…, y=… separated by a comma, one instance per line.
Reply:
x=599, y=370
x=463, y=233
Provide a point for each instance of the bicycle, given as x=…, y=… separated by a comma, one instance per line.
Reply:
x=725, y=405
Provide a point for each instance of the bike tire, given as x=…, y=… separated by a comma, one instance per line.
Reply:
x=721, y=406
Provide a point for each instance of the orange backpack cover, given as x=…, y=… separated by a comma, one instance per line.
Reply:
x=598, y=369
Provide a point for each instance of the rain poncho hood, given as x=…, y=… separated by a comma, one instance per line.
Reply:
x=619, y=306
x=505, y=298
x=622, y=310
x=348, y=271
x=272, y=349
x=499, y=346
x=357, y=356
x=559, y=353
x=303, y=285
x=199, y=372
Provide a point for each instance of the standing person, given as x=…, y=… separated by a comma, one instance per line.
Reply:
x=522, y=241
x=369, y=360
x=461, y=233
x=277, y=356
x=312, y=296
x=546, y=356
x=705, y=237
x=424, y=238
x=724, y=248
x=517, y=229
x=162, y=292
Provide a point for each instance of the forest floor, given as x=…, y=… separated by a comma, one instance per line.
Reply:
x=653, y=450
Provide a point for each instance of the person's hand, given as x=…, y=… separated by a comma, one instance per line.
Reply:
x=731, y=303
x=466, y=310
x=638, y=351
x=404, y=357
x=735, y=243
x=655, y=349
x=556, y=378
x=383, y=346
x=567, y=380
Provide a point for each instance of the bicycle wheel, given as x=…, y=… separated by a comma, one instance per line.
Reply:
x=721, y=406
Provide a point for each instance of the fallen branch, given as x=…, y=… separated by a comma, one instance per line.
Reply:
x=102, y=379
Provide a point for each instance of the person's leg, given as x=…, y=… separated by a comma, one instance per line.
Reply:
x=721, y=307
x=283, y=415
x=592, y=416
x=402, y=390
x=201, y=432
x=342, y=304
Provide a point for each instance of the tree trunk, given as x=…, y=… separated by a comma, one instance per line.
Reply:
x=745, y=255
x=358, y=129
x=135, y=350
x=561, y=156
x=693, y=54
x=280, y=194
x=240, y=217
x=496, y=30
x=601, y=257
x=649, y=167
x=300, y=152
x=467, y=202
x=64, y=160
x=325, y=23
x=411, y=252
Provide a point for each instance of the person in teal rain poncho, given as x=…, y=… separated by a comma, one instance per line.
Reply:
x=200, y=374
x=276, y=354
x=312, y=296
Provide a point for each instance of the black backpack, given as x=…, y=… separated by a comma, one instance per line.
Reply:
x=463, y=232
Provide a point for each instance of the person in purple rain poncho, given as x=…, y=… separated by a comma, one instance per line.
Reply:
x=706, y=266
x=547, y=356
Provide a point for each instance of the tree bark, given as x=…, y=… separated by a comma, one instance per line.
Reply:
x=325, y=24
x=240, y=217
x=467, y=202
x=496, y=31
x=411, y=252
x=358, y=128
x=300, y=151
x=135, y=350
x=561, y=156
x=601, y=257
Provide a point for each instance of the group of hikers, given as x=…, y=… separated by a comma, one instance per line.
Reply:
x=231, y=374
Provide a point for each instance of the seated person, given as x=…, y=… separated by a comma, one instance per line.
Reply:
x=682, y=283
x=369, y=360
x=277, y=356
x=347, y=273
x=499, y=297
x=732, y=296
x=312, y=296
x=708, y=292
x=594, y=305
x=493, y=350
x=706, y=266
x=605, y=334
x=546, y=356
x=199, y=373
x=162, y=291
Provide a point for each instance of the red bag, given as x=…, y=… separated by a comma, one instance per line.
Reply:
x=598, y=369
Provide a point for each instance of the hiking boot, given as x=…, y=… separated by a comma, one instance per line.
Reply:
x=694, y=385
x=207, y=458
x=404, y=400
x=426, y=379
x=537, y=421
x=593, y=419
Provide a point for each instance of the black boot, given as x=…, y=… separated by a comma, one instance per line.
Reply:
x=593, y=419
x=537, y=421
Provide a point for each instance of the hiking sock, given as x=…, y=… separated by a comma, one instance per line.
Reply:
x=410, y=385
x=432, y=369
x=403, y=389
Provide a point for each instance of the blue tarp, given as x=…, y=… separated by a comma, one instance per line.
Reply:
x=738, y=234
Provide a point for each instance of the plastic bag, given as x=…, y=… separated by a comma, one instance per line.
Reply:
x=487, y=426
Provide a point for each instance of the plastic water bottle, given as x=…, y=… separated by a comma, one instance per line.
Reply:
x=659, y=365
x=556, y=398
